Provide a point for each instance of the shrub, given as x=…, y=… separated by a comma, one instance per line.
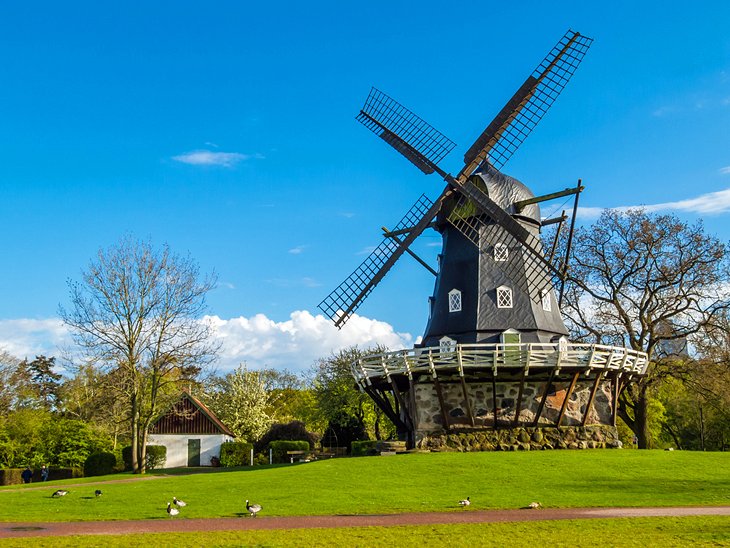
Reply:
x=100, y=464
x=280, y=447
x=235, y=453
x=292, y=431
x=156, y=457
x=364, y=448
x=11, y=476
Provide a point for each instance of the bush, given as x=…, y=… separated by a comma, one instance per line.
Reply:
x=292, y=431
x=156, y=457
x=100, y=464
x=235, y=453
x=11, y=476
x=364, y=448
x=280, y=447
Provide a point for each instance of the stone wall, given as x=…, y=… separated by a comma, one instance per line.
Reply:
x=523, y=439
x=428, y=414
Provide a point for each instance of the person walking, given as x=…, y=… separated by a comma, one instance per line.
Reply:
x=44, y=473
x=27, y=474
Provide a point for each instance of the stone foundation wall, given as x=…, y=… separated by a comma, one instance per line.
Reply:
x=522, y=439
x=428, y=414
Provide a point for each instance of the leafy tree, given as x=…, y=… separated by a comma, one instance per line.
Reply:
x=340, y=404
x=137, y=313
x=43, y=384
x=11, y=380
x=649, y=282
x=241, y=400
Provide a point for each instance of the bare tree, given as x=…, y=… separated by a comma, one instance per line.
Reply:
x=138, y=312
x=649, y=282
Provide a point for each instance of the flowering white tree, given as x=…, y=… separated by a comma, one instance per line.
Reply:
x=243, y=402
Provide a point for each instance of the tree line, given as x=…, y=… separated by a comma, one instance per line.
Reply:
x=646, y=281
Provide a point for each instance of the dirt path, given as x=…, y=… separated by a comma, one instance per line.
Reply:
x=166, y=525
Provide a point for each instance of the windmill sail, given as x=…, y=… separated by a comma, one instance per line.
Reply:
x=422, y=144
x=520, y=115
x=347, y=297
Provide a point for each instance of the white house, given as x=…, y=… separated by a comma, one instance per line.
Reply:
x=191, y=432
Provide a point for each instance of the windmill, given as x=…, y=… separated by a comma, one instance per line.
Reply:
x=494, y=283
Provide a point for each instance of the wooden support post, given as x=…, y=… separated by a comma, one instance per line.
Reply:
x=494, y=400
x=439, y=392
x=594, y=389
x=543, y=398
x=518, y=407
x=469, y=411
x=614, y=412
x=567, y=398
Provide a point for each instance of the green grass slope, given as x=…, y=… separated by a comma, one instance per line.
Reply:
x=403, y=483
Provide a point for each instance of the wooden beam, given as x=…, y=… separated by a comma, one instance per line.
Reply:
x=594, y=389
x=494, y=401
x=543, y=398
x=614, y=412
x=567, y=398
x=470, y=413
x=521, y=204
x=408, y=250
x=518, y=407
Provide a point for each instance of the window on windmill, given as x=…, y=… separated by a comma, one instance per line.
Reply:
x=447, y=344
x=546, y=302
x=504, y=297
x=454, y=300
x=501, y=252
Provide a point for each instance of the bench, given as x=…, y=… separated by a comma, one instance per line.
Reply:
x=301, y=455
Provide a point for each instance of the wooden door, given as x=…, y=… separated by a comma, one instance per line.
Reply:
x=194, y=452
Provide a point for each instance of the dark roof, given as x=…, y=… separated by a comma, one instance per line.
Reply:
x=189, y=416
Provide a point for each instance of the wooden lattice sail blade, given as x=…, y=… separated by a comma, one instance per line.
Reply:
x=520, y=115
x=414, y=138
x=349, y=295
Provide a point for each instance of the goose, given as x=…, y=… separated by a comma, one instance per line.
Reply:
x=534, y=505
x=466, y=502
x=178, y=502
x=59, y=493
x=172, y=511
x=253, y=508
x=97, y=492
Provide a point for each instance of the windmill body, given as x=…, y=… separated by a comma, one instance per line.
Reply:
x=495, y=354
x=473, y=300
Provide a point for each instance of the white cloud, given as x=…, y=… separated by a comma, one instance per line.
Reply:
x=210, y=158
x=725, y=170
x=710, y=203
x=26, y=338
x=259, y=341
x=298, y=250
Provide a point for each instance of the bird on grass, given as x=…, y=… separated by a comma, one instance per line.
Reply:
x=97, y=493
x=533, y=506
x=59, y=493
x=172, y=511
x=466, y=502
x=178, y=502
x=253, y=508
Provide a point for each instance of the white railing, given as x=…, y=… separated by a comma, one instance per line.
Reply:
x=526, y=356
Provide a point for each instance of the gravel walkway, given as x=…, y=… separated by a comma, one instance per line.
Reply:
x=170, y=525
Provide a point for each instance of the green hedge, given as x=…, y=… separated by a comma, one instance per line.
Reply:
x=236, y=453
x=280, y=447
x=11, y=476
x=156, y=456
x=364, y=448
x=100, y=464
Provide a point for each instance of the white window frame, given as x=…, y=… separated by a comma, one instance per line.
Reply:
x=504, y=297
x=547, y=303
x=501, y=252
x=447, y=344
x=454, y=300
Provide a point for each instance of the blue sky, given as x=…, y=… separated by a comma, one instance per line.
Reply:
x=228, y=131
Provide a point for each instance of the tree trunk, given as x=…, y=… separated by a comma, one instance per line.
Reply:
x=641, y=422
x=135, y=444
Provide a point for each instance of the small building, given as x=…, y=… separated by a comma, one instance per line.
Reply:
x=191, y=432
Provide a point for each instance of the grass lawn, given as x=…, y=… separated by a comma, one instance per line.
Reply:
x=402, y=483
x=665, y=532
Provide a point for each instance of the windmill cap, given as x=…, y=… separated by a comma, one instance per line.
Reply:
x=506, y=190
